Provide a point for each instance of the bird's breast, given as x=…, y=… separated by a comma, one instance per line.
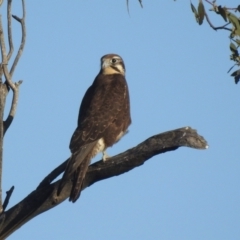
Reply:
x=101, y=145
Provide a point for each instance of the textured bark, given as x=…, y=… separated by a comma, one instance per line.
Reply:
x=44, y=197
x=7, y=84
x=3, y=95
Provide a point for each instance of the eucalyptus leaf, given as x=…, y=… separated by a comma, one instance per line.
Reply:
x=236, y=76
x=195, y=12
x=235, y=22
x=201, y=12
x=222, y=12
x=237, y=41
x=233, y=48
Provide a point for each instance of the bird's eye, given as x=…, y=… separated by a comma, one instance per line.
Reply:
x=114, y=60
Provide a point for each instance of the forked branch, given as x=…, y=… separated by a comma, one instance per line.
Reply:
x=216, y=28
x=44, y=197
x=8, y=84
x=20, y=50
x=8, y=75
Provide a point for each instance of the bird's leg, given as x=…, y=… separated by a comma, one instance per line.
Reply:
x=105, y=156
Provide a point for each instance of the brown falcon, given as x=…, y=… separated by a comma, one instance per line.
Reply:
x=104, y=117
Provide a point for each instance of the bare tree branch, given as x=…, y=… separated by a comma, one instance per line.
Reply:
x=140, y=1
x=213, y=3
x=209, y=2
x=44, y=198
x=127, y=2
x=13, y=109
x=6, y=201
x=9, y=17
x=4, y=87
x=8, y=75
x=217, y=28
x=2, y=44
x=20, y=50
x=3, y=95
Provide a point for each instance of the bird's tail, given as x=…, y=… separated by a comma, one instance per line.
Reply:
x=76, y=170
x=78, y=179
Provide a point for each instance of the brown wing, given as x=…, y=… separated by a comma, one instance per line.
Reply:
x=104, y=113
x=104, y=106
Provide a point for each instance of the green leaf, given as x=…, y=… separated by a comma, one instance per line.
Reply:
x=195, y=12
x=201, y=12
x=235, y=22
x=234, y=56
x=233, y=48
x=238, y=8
x=237, y=41
x=236, y=75
x=222, y=12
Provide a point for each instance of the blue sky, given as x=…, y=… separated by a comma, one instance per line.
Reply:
x=177, y=76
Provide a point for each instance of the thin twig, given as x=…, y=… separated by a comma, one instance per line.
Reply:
x=216, y=28
x=232, y=9
x=128, y=7
x=17, y=18
x=8, y=75
x=209, y=2
x=20, y=50
x=2, y=44
x=214, y=5
x=9, y=17
x=6, y=201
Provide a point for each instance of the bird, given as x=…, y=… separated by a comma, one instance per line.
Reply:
x=104, y=117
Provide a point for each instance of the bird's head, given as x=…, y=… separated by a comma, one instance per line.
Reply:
x=112, y=64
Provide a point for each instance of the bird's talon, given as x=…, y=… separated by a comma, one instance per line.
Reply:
x=105, y=156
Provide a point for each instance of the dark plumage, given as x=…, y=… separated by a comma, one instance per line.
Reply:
x=104, y=117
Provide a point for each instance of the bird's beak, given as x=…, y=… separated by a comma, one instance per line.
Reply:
x=105, y=64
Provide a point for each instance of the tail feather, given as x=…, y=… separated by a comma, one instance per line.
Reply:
x=76, y=169
x=78, y=180
x=65, y=176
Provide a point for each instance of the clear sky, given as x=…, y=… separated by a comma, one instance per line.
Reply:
x=177, y=76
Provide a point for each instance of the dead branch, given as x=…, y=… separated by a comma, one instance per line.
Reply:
x=13, y=109
x=3, y=92
x=9, y=17
x=6, y=201
x=20, y=50
x=3, y=95
x=8, y=75
x=44, y=197
x=8, y=84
